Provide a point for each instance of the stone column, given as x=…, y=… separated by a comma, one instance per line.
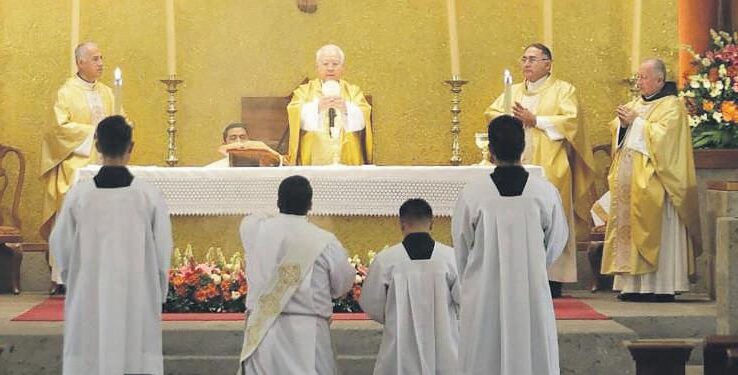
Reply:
x=725, y=205
x=720, y=201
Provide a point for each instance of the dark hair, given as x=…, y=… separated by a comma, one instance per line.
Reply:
x=295, y=196
x=113, y=136
x=506, y=138
x=415, y=210
x=544, y=50
x=233, y=126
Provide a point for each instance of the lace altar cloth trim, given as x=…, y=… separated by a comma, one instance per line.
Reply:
x=337, y=190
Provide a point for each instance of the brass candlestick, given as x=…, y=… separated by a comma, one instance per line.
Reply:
x=632, y=83
x=172, y=83
x=455, y=82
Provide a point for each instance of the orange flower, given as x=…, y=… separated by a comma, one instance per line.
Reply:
x=713, y=75
x=178, y=280
x=708, y=105
x=357, y=292
x=201, y=295
x=729, y=110
x=181, y=291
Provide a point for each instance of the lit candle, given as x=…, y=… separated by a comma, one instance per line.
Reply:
x=117, y=92
x=453, y=39
x=74, y=36
x=548, y=23
x=171, y=47
x=635, y=49
x=507, y=98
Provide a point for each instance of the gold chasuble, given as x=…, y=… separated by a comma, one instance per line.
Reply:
x=641, y=181
x=314, y=147
x=68, y=144
x=567, y=162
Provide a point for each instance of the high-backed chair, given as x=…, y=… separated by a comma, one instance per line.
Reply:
x=10, y=230
x=597, y=234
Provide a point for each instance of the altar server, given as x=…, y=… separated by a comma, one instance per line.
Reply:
x=294, y=269
x=507, y=228
x=112, y=242
x=412, y=288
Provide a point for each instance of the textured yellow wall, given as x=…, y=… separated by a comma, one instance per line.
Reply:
x=396, y=50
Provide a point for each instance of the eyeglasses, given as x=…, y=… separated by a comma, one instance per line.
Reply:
x=531, y=60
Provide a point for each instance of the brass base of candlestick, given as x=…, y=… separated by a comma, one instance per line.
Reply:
x=455, y=82
x=172, y=83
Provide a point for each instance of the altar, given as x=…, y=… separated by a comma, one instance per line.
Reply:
x=357, y=203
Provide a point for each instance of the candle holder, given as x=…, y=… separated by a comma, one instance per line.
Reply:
x=455, y=82
x=171, y=84
x=632, y=83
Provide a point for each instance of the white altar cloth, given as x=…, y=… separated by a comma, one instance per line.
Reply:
x=337, y=190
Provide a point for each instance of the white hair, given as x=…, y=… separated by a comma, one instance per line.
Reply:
x=330, y=49
x=80, y=52
x=658, y=67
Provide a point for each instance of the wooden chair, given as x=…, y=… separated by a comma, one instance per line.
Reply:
x=267, y=121
x=10, y=233
x=597, y=234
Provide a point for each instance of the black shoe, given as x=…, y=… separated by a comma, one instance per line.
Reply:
x=555, y=289
x=636, y=297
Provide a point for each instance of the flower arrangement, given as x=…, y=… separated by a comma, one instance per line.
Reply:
x=350, y=302
x=711, y=94
x=215, y=285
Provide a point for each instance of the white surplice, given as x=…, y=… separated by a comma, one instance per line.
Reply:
x=417, y=301
x=503, y=246
x=299, y=341
x=113, y=248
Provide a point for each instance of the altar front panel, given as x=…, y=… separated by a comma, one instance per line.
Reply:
x=358, y=204
x=337, y=190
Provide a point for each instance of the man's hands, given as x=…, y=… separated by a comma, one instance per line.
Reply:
x=528, y=118
x=223, y=149
x=335, y=102
x=626, y=115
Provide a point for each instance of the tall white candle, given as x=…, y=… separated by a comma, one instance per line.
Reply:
x=74, y=34
x=548, y=23
x=118, y=91
x=171, y=46
x=453, y=39
x=507, y=97
x=635, y=49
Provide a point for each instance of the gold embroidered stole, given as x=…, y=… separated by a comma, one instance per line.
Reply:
x=303, y=248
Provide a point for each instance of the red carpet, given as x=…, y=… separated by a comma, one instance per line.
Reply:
x=52, y=310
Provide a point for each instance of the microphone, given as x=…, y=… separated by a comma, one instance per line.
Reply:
x=331, y=117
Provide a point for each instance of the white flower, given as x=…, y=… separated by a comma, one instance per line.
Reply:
x=216, y=278
x=706, y=62
x=358, y=279
x=722, y=71
x=706, y=83
x=693, y=83
x=703, y=117
x=717, y=89
x=688, y=94
x=226, y=277
x=235, y=295
x=694, y=121
x=717, y=116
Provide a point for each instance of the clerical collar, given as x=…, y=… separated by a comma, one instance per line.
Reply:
x=111, y=177
x=669, y=89
x=510, y=180
x=533, y=86
x=81, y=81
x=419, y=245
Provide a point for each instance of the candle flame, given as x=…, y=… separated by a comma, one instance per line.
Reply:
x=507, y=77
x=118, y=76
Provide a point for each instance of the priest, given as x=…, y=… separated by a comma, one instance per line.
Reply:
x=329, y=118
x=294, y=269
x=557, y=141
x=112, y=242
x=507, y=228
x=653, y=231
x=413, y=289
x=67, y=145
